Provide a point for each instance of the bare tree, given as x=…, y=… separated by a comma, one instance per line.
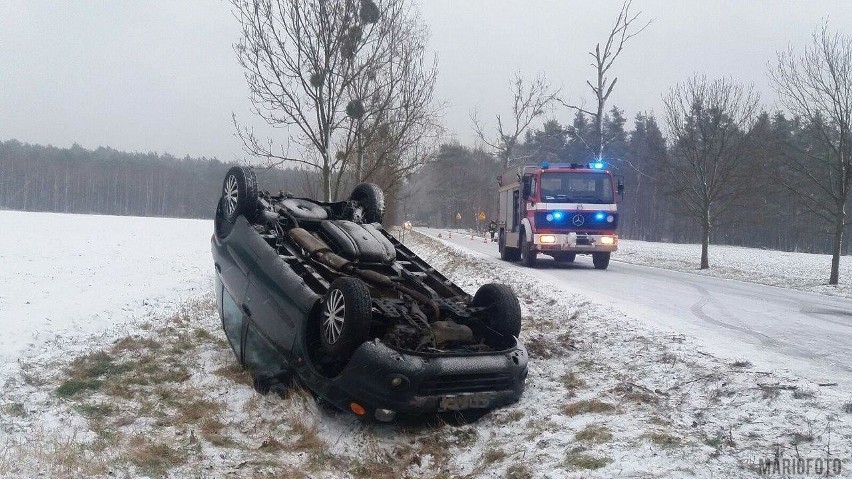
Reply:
x=529, y=101
x=708, y=170
x=817, y=86
x=305, y=62
x=624, y=28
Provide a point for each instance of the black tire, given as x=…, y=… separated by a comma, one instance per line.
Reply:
x=345, y=315
x=527, y=254
x=600, y=260
x=506, y=253
x=570, y=257
x=372, y=200
x=502, y=313
x=239, y=194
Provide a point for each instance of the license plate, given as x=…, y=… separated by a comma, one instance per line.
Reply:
x=459, y=402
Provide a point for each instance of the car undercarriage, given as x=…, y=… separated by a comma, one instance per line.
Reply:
x=356, y=287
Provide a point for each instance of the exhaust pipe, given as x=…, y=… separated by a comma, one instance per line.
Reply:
x=319, y=251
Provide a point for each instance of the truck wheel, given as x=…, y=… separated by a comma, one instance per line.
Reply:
x=527, y=253
x=501, y=246
x=502, y=313
x=569, y=257
x=372, y=200
x=600, y=260
x=345, y=318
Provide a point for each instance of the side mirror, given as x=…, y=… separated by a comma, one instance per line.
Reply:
x=620, y=188
x=526, y=187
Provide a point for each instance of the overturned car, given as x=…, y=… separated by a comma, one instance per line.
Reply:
x=322, y=292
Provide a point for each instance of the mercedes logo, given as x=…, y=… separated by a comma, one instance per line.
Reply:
x=578, y=220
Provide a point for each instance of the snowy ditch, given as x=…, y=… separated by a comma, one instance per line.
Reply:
x=607, y=396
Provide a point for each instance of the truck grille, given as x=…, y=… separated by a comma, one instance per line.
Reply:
x=464, y=383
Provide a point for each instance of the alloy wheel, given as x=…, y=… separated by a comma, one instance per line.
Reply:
x=333, y=317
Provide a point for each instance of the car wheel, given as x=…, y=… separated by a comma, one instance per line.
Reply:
x=502, y=313
x=570, y=257
x=239, y=194
x=345, y=318
x=528, y=255
x=372, y=200
x=600, y=260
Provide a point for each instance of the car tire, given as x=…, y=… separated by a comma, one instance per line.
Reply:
x=239, y=194
x=527, y=254
x=570, y=257
x=372, y=200
x=600, y=260
x=503, y=311
x=345, y=315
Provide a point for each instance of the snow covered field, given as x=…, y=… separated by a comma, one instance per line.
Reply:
x=803, y=271
x=67, y=276
x=139, y=382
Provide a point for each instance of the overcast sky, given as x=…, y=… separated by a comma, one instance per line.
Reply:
x=162, y=76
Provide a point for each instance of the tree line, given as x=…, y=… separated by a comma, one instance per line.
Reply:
x=765, y=214
x=108, y=181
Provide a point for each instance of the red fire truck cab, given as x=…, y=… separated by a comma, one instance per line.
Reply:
x=559, y=210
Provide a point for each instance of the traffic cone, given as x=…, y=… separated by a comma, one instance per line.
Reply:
x=450, y=234
x=485, y=239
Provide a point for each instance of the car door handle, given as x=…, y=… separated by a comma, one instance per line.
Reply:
x=246, y=310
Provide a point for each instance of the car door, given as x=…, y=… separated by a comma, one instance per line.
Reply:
x=269, y=333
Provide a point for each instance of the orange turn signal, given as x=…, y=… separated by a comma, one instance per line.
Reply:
x=357, y=408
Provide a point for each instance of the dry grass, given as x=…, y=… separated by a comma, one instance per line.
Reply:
x=155, y=457
x=595, y=434
x=664, y=439
x=587, y=406
x=492, y=455
x=235, y=373
x=55, y=456
x=518, y=471
x=582, y=460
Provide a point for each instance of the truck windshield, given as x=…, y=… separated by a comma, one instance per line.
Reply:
x=576, y=187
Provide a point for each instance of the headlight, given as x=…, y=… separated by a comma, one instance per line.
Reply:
x=607, y=240
x=547, y=239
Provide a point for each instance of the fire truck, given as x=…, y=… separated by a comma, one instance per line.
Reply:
x=560, y=210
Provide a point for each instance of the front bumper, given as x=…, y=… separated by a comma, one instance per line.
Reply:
x=573, y=242
x=381, y=378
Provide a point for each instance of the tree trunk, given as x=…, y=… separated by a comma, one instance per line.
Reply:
x=326, y=178
x=836, y=244
x=705, y=241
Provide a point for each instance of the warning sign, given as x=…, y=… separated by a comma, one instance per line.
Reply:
x=481, y=215
x=458, y=216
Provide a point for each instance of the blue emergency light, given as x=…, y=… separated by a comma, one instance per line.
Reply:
x=597, y=165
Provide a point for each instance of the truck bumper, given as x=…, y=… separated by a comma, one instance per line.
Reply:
x=575, y=243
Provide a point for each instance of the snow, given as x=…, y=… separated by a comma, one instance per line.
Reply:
x=802, y=271
x=66, y=276
x=671, y=408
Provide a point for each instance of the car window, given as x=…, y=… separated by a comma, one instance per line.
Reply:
x=260, y=355
x=232, y=321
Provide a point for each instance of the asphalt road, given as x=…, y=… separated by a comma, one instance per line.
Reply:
x=809, y=334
